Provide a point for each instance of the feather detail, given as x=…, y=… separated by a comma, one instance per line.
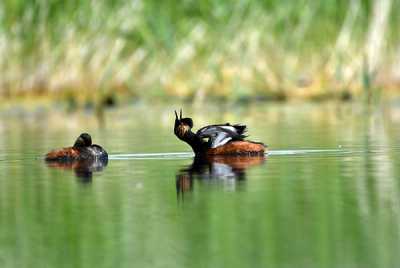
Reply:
x=222, y=134
x=239, y=148
x=64, y=153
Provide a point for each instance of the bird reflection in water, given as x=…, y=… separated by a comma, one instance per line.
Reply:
x=83, y=169
x=217, y=168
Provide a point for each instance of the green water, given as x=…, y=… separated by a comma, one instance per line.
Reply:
x=326, y=196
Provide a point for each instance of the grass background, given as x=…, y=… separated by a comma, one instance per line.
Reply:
x=91, y=51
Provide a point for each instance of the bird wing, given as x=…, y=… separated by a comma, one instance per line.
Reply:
x=234, y=130
x=222, y=134
x=220, y=139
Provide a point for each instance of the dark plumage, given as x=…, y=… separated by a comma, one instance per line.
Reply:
x=83, y=149
x=219, y=135
x=223, y=139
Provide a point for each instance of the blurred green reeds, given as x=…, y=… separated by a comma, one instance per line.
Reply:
x=198, y=50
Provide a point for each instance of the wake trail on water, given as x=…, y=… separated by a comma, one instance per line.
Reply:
x=185, y=155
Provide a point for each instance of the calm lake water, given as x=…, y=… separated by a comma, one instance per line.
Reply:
x=328, y=194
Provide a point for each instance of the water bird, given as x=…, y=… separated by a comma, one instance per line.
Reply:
x=221, y=139
x=82, y=150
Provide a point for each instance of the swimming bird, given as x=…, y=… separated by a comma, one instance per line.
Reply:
x=222, y=139
x=82, y=150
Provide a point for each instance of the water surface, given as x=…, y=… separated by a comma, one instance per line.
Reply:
x=327, y=194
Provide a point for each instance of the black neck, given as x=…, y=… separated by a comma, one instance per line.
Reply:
x=197, y=144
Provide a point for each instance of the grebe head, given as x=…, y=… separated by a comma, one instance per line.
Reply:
x=182, y=125
x=83, y=140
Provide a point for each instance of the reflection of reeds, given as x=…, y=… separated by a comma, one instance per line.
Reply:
x=229, y=50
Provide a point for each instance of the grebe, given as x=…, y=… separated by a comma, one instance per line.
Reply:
x=224, y=139
x=82, y=150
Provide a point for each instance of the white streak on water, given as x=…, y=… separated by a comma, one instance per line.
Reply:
x=306, y=151
x=177, y=155
x=185, y=155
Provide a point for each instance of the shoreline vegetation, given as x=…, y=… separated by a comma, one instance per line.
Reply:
x=102, y=51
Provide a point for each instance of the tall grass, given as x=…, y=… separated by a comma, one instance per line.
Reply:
x=198, y=49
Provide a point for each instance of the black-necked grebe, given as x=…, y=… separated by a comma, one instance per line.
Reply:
x=224, y=139
x=83, y=149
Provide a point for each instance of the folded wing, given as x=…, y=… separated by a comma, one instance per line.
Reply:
x=221, y=134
